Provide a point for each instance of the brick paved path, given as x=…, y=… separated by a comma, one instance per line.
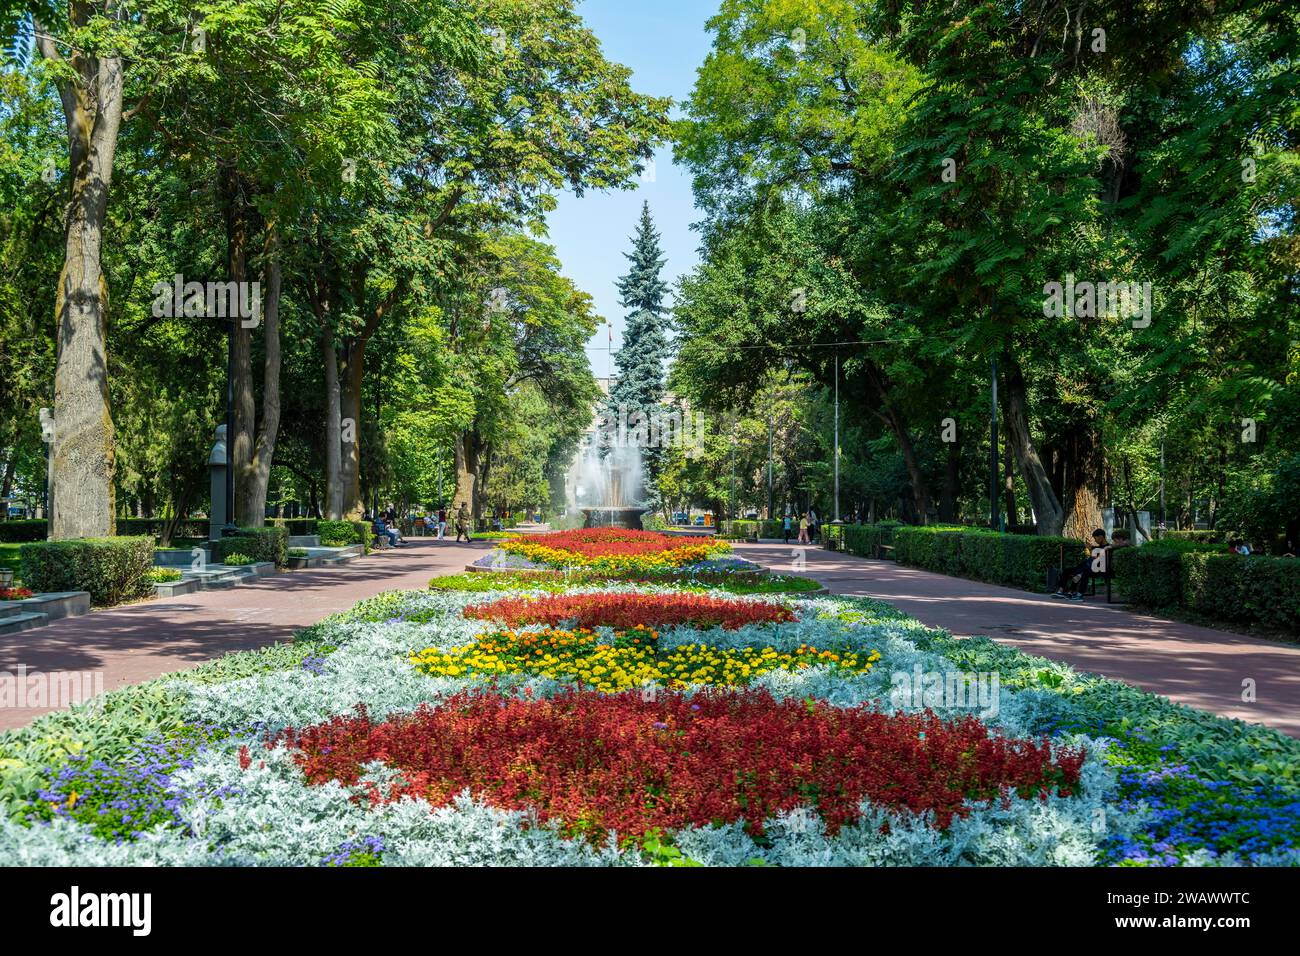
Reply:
x=1197, y=666
x=139, y=642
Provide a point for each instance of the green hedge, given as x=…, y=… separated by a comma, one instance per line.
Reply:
x=297, y=527
x=22, y=530
x=1016, y=560
x=261, y=544
x=743, y=528
x=185, y=528
x=113, y=570
x=863, y=539
x=347, y=532
x=37, y=529
x=1251, y=589
x=1199, y=536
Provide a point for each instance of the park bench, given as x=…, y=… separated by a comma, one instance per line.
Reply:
x=884, y=552
x=1106, y=572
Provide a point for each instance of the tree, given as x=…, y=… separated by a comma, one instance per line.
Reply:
x=636, y=396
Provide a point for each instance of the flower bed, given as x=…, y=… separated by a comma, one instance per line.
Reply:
x=629, y=610
x=14, y=594
x=626, y=659
x=598, y=764
x=802, y=752
x=612, y=550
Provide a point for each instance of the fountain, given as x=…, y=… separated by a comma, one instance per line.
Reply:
x=607, y=483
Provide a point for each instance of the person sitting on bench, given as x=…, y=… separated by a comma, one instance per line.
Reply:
x=383, y=530
x=1073, y=583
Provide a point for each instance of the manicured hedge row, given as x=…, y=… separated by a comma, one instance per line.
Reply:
x=742, y=528
x=1016, y=560
x=1200, y=536
x=37, y=529
x=344, y=533
x=260, y=544
x=26, y=529
x=1252, y=589
x=863, y=539
x=113, y=570
x=187, y=528
x=295, y=526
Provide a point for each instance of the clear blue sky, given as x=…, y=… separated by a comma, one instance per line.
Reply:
x=663, y=43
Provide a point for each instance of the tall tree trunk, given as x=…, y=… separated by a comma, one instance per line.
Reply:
x=351, y=378
x=333, y=427
x=1084, y=474
x=1010, y=506
x=82, y=453
x=951, y=485
x=466, y=453
x=1047, y=508
x=894, y=419
x=7, y=485
x=250, y=492
x=235, y=207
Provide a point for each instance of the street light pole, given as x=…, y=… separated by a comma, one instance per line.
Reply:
x=994, y=522
x=837, y=438
x=771, y=500
x=732, y=495
x=230, y=528
x=1162, y=486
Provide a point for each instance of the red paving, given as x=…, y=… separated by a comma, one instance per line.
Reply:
x=1197, y=666
x=1194, y=665
x=142, y=641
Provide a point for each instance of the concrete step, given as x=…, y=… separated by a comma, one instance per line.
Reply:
x=179, y=559
x=13, y=623
x=53, y=605
x=304, y=541
x=177, y=588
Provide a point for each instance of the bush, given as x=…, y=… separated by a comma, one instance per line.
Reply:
x=1197, y=536
x=237, y=560
x=1252, y=589
x=340, y=534
x=261, y=544
x=186, y=528
x=23, y=530
x=296, y=527
x=112, y=570
x=1015, y=560
x=164, y=575
x=864, y=539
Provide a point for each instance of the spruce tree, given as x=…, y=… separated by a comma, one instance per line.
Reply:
x=642, y=361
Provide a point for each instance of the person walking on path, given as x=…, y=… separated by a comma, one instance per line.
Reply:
x=442, y=523
x=462, y=523
x=786, y=524
x=803, y=530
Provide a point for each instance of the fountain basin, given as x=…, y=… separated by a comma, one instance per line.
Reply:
x=629, y=518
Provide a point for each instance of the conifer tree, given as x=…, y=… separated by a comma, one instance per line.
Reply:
x=636, y=396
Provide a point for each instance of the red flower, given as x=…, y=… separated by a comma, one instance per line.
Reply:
x=600, y=763
x=624, y=611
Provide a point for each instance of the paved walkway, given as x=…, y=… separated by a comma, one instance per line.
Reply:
x=1197, y=666
x=142, y=641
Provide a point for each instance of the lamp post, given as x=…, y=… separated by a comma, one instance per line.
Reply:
x=994, y=522
x=731, y=497
x=837, y=439
x=47, y=438
x=771, y=499
x=228, y=527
